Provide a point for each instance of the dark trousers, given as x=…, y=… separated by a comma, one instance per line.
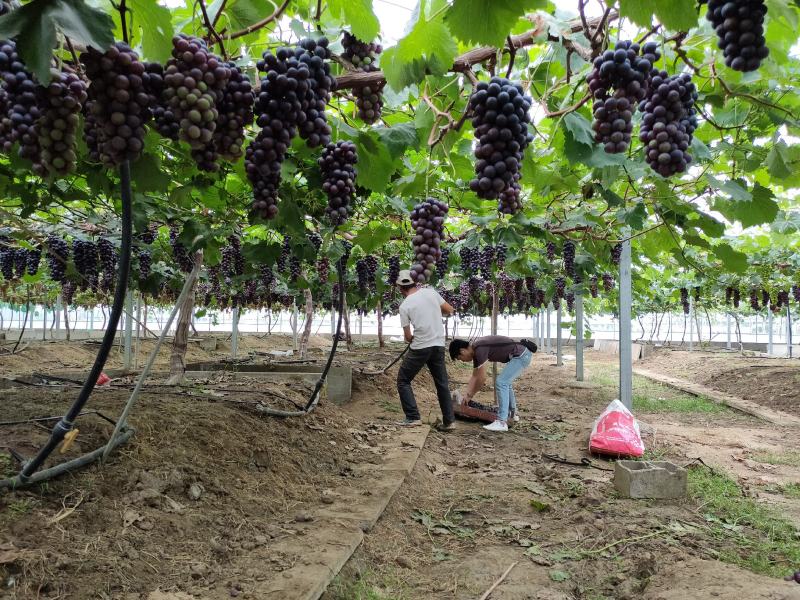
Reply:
x=433, y=357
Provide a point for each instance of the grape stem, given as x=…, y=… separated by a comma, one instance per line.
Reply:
x=210, y=27
x=482, y=54
x=260, y=24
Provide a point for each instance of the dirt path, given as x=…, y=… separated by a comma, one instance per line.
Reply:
x=465, y=514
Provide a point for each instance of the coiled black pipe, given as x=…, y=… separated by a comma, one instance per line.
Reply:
x=66, y=423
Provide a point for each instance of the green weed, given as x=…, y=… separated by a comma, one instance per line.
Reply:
x=790, y=458
x=765, y=542
x=365, y=586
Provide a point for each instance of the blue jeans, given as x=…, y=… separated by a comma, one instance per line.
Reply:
x=505, y=393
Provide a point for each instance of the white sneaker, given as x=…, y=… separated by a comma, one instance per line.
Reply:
x=496, y=426
x=515, y=417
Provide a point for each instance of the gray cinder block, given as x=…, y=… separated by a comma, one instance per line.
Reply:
x=649, y=479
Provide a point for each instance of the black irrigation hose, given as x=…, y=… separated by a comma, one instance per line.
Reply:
x=65, y=425
x=75, y=463
x=390, y=365
x=321, y=381
x=312, y=401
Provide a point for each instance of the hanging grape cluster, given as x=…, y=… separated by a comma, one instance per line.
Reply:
x=61, y=102
x=294, y=90
x=740, y=31
x=57, y=257
x=568, y=253
x=608, y=282
x=685, y=300
x=441, y=264
x=616, y=253
x=668, y=123
x=232, y=258
x=143, y=251
x=117, y=106
x=107, y=253
x=361, y=55
x=235, y=113
x=427, y=221
x=84, y=255
x=366, y=271
x=593, y=287
x=754, y=300
x=618, y=81
x=500, y=119
x=286, y=251
x=20, y=98
x=550, y=251
x=392, y=270
x=179, y=252
x=194, y=80
x=337, y=164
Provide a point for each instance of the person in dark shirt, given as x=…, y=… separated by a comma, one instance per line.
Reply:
x=494, y=348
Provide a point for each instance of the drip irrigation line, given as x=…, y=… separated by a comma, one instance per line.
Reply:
x=26, y=475
x=123, y=418
x=390, y=365
x=584, y=462
x=45, y=419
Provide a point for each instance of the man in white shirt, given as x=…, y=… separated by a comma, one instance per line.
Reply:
x=423, y=309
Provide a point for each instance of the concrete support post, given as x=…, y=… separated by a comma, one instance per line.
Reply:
x=625, y=350
x=769, y=332
x=559, y=349
x=127, y=363
x=728, y=325
x=579, y=336
x=547, y=335
x=235, y=333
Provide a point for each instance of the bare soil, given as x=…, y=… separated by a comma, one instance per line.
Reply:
x=771, y=382
x=192, y=506
x=466, y=514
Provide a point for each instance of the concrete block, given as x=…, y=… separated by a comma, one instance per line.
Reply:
x=646, y=479
x=209, y=344
x=340, y=384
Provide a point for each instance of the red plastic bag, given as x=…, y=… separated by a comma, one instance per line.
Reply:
x=616, y=432
x=103, y=379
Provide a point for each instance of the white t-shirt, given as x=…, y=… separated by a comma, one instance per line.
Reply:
x=423, y=310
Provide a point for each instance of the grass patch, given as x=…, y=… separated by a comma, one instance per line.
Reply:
x=365, y=586
x=789, y=490
x=652, y=397
x=765, y=542
x=392, y=406
x=6, y=466
x=790, y=458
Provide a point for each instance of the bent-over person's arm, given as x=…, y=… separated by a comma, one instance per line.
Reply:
x=476, y=381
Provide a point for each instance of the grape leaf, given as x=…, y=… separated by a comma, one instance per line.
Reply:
x=677, y=15
x=155, y=23
x=487, y=22
x=34, y=26
x=579, y=126
x=428, y=49
x=399, y=137
x=148, y=175
x=732, y=259
x=637, y=11
x=777, y=159
x=374, y=163
x=755, y=208
x=358, y=15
